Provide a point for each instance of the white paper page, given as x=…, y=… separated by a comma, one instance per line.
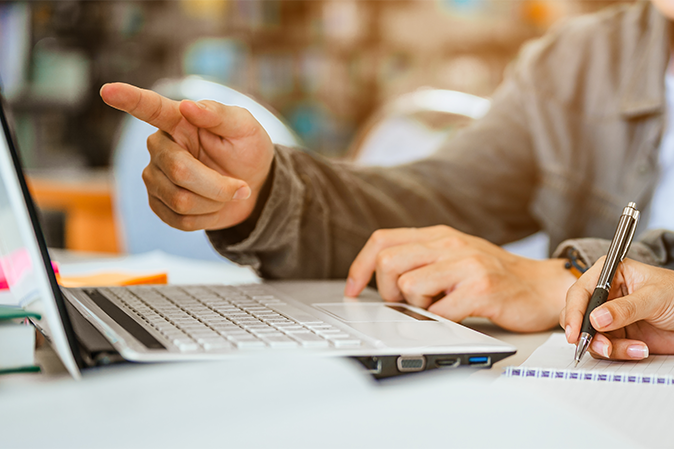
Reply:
x=640, y=411
x=557, y=353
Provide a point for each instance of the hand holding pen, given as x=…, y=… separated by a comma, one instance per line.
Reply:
x=639, y=315
x=616, y=253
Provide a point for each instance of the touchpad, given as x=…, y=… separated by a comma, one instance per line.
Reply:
x=372, y=312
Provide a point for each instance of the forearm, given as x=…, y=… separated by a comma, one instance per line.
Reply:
x=320, y=213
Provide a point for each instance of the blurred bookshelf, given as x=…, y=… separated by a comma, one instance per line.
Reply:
x=325, y=66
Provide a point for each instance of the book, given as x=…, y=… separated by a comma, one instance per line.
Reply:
x=17, y=340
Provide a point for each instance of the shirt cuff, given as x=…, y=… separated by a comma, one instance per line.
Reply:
x=592, y=249
x=279, y=216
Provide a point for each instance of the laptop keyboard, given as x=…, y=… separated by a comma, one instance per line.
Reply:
x=220, y=318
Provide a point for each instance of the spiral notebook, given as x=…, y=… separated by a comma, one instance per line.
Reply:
x=634, y=400
x=554, y=360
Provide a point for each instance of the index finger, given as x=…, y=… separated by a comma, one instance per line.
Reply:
x=143, y=104
x=577, y=299
x=364, y=264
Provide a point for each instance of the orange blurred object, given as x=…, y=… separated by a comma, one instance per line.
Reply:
x=87, y=203
x=111, y=279
x=539, y=13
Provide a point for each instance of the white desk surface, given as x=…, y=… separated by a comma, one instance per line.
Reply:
x=291, y=400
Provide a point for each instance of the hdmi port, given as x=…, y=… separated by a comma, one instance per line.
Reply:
x=447, y=363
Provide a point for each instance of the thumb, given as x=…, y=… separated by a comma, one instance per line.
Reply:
x=624, y=311
x=229, y=122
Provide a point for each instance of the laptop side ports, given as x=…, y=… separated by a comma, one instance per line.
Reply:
x=447, y=362
x=411, y=364
x=372, y=365
x=482, y=360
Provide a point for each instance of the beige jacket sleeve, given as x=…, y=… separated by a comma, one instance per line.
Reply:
x=320, y=213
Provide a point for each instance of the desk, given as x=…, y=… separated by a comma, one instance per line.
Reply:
x=294, y=400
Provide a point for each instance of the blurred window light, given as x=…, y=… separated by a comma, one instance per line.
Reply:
x=222, y=60
x=60, y=75
x=205, y=9
x=14, y=47
x=436, y=100
x=464, y=6
x=343, y=20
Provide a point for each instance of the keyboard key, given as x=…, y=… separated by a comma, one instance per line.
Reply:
x=296, y=314
x=346, y=343
x=310, y=340
x=279, y=341
x=332, y=330
x=296, y=330
x=250, y=344
x=188, y=347
x=210, y=346
x=340, y=336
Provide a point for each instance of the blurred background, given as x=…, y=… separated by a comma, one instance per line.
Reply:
x=324, y=66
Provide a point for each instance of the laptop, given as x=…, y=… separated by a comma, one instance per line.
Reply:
x=169, y=323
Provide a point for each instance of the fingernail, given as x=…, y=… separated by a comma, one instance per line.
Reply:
x=602, y=317
x=242, y=194
x=600, y=347
x=567, y=331
x=350, y=285
x=637, y=352
x=201, y=105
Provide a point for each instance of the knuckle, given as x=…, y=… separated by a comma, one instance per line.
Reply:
x=385, y=261
x=175, y=170
x=627, y=310
x=186, y=223
x=451, y=241
x=379, y=237
x=439, y=229
x=181, y=202
x=152, y=140
x=476, y=262
x=406, y=284
x=147, y=176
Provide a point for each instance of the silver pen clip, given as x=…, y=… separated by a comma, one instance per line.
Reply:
x=634, y=215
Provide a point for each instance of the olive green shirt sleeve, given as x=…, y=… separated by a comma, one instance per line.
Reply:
x=654, y=247
x=320, y=213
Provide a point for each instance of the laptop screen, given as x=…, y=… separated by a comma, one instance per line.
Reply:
x=23, y=255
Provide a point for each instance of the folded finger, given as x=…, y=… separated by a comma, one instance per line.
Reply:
x=365, y=263
x=183, y=170
x=421, y=286
x=182, y=222
x=620, y=312
x=230, y=122
x=395, y=261
x=178, y=199
x=618, y=348
x=455, y=306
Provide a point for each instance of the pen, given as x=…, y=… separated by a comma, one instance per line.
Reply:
x=616, y=253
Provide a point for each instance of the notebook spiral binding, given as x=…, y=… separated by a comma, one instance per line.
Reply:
x=546, y=373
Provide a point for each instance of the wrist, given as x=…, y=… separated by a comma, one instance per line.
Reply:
x=554, y=280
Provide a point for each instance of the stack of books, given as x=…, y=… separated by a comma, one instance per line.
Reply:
x=17, y=340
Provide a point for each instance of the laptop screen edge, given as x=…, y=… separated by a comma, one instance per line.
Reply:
x=61, y=330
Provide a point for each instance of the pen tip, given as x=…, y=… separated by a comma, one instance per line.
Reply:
x=575, y=365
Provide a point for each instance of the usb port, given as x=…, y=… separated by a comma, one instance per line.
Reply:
x=482, y=360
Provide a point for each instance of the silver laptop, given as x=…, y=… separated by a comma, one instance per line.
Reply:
x=162, y=323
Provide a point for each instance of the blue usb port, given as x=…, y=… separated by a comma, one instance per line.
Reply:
x=478, y=360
